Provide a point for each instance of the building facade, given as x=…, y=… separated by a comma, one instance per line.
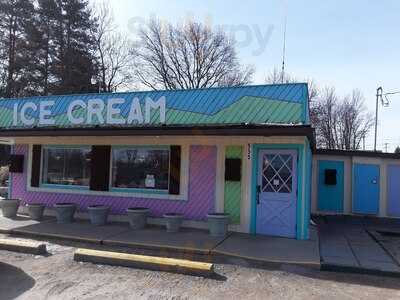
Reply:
x=356, y=183
x=245, y=151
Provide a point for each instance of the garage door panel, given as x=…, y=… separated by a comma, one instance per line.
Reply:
x=366, y=188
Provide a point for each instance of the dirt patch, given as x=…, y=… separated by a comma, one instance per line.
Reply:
x=59, y=277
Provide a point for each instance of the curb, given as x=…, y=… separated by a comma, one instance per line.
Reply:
x=29, y=247
x=17, y=232
x=223, y=256
x=149, y=246
x=358, y=270
x=145, y=262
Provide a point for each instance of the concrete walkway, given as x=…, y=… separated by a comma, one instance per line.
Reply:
x=249, y=248
x=272, y=250
x=346, y=244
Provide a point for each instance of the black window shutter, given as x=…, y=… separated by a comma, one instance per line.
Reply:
x=16, y=163
x=233, y=169
x=175, y=170
x=36, y=162
x=100, y=168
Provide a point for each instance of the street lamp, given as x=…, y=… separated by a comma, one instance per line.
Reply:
x=385, y=103
x=379, y=94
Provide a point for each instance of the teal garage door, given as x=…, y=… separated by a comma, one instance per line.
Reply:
x=366, y=188
x=330, y=186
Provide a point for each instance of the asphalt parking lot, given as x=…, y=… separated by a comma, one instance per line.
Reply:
x=57, y=276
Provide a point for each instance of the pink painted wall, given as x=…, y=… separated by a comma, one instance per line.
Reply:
x=201, y=194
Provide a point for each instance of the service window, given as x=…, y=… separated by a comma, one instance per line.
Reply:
x=140, y=167
x=68, y=166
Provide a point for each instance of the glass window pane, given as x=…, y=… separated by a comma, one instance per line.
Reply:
x=277, y=173
x=143, y=168
x=66, y=166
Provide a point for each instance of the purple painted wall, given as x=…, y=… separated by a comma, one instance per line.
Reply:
x=201, y=194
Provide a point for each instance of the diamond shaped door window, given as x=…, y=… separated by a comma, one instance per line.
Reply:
x=277, y=173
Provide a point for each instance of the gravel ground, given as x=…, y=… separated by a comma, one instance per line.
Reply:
x=57, y=276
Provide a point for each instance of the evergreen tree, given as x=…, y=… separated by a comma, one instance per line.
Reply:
x=397, y=150
x=46, y=47
x=74, y=63
x=41, y=36
x=15, y=18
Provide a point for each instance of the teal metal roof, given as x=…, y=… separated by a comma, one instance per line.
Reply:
x=261, y=104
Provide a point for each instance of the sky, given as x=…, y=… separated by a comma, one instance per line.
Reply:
x=345, y=44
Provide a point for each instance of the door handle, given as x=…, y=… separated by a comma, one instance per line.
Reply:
x=258, y=191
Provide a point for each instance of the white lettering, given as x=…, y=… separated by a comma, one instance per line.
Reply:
x=112, y=111
x=135, y=112
x=75, y=120
x=92, y=112
x=28, y=106
x=15, y=114
x=45, y=113
x=95, y=107
x=150, y=104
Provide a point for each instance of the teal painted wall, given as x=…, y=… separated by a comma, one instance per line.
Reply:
x=330, y=197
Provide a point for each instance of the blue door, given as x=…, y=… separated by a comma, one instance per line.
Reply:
x=393, y=190
x=277, y=193
x=330, y=193
x=366, y=188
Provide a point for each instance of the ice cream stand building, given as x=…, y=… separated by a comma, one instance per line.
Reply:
x=245, y=151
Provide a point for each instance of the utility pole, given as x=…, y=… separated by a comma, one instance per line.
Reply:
x=386, y=147
x=284, y=49
x=378, y=96
x=363, y=142
x=385, y=103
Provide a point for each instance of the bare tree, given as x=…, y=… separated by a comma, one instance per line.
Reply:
x=339, y=123
x=355, y=122
x=325, y=118
x=276, y=76
x=188, y=56
x=114, y=52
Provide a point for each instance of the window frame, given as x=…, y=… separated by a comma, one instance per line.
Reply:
x=61, y=186
x=139, y=190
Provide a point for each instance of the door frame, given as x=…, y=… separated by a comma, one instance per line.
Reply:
x=301, y=207
x=276, y=197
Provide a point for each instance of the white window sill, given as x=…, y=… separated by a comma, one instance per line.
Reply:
x=108, y=193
